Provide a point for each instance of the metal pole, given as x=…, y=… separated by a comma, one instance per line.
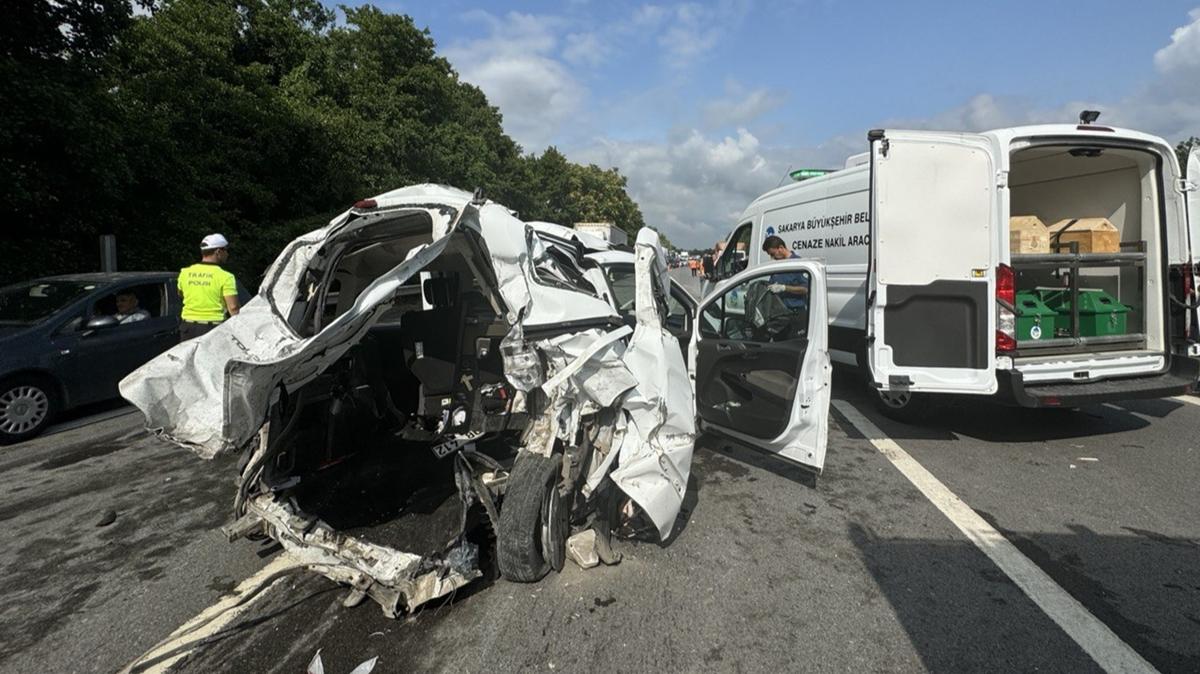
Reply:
x=108, y=252
x=1075, y=290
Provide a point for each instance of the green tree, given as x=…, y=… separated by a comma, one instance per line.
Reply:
x=563, y=192
x=213, y=143
x=61, y=167
x=1183, y=149
x=258, y=119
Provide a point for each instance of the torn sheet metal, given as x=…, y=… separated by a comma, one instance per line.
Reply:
x=212, y=393
x=396, y=580
x=565, y=352
x=659, y=434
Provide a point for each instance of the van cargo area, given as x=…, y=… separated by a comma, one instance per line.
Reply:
x=1090, y=293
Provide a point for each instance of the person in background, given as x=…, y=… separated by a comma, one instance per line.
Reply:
x=208, y=291
x=707, y=265
x=127, y=308
x=791, y=287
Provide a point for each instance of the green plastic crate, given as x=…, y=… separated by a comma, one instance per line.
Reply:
x=1035, y=320
x=1100, y=314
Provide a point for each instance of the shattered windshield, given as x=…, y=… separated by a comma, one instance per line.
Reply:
x=30, y=303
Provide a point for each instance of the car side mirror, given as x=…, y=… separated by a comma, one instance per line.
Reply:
x=101, y=323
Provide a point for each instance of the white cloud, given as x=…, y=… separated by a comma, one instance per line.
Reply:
x=649, y=15
x=585, y=49
x=741, y=107
x=513, y=65
x=691, y=33
x=687, y=31
x=1183, y=54
x=692, y=187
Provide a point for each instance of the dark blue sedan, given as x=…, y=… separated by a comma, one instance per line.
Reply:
x=66, y=341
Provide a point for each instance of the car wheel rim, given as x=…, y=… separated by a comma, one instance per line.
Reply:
x=22, y=409
x=550, y=509
x=895, y=400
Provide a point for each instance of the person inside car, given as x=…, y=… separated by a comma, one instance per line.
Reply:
x=127, y=308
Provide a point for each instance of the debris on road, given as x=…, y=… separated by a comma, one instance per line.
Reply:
x=581, y=548
x=423, y=369
x=316, y=666
x=107, y=518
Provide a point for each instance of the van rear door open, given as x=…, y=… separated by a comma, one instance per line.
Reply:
x=931, y=321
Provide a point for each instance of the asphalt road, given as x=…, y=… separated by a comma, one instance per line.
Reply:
x=83, y=596
x=769, y=567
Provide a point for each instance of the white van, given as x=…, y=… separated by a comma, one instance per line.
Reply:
x=914, y=237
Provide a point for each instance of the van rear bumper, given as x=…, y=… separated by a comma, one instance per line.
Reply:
x=1181, y=378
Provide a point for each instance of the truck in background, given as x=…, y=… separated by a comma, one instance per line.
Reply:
x=922, y=284
x=604, y=230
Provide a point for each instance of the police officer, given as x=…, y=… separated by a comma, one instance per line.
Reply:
x=208, y=291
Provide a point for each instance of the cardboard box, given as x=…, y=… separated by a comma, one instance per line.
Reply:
x=1095, y=235
x=1027, y=234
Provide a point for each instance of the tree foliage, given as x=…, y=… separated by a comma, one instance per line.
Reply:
x=259, y=119
x=62, y=169
x=1183, y=149
x=556, y=190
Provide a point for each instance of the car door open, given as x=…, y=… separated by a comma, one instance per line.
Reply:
x=762, y=360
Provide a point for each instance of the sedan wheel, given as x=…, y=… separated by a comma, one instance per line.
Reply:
x=25, y=409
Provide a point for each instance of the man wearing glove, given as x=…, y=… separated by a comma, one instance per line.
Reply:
x=791, y=287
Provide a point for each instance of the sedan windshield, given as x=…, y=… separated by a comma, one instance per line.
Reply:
x=30, y=303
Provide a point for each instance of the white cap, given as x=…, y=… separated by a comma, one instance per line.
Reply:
x=213, y=241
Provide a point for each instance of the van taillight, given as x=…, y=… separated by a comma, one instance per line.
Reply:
x=1006, y=298
x=1006, y=284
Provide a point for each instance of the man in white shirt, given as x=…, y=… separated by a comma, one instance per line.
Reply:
x=127, y=308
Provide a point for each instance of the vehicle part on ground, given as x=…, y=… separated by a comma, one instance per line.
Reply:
x=379, y=387
x=27, y=405
x=317, y=666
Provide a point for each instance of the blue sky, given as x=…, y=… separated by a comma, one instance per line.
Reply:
x=705, y=105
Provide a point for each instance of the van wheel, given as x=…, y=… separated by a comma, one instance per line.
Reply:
x=903, y=406
x=532, y=536
x=27, y=406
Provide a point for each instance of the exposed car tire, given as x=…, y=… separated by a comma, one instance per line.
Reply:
x=533, y=524
x=27, y=406
x=902, y=406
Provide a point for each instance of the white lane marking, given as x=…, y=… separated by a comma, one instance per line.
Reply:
x=185, y=633
x=1191, y=400
x=1092, y=635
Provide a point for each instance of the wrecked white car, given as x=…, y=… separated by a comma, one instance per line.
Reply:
x=429, y=383
x=405, y=351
